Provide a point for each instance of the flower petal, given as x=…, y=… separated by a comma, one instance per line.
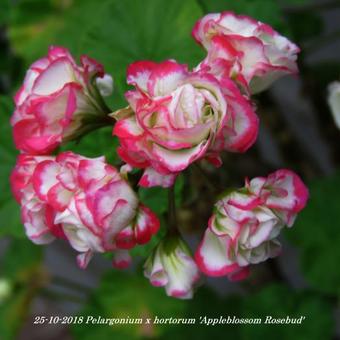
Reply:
x=121, y=259
x=45, y=177
x=212, y=255
x=56, y=75
x=138, y=73
x=84, y=259
x=165, y=77
x=152, y=178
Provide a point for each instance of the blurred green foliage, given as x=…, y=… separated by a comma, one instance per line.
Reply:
x=316, y=235
x=123, y=295
x=279, y=301
x=9, y=209
x=21, y=270
x=117, y=290
x=119, y=33
x=305, y=25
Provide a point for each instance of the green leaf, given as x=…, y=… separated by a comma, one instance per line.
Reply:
x=97, y=143
x=133, y=30
x=9, y=210
x=156, y=198
x=316, y=234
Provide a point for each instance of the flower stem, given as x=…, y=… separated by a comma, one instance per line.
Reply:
x=109, y=120
x=134, y=178
x=203, y=174
x=172, y=217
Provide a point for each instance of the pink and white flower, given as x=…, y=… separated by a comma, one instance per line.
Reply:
x=244, y=49
x=84, y=200
x=99, y=203
x=172, y=266
x=245, y=224
x=37, y=215
x=177, y=117
x=59, y=101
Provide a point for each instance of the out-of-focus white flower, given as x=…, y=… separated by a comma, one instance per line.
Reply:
x=334, y=101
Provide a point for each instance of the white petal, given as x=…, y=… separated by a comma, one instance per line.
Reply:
x=105, y=85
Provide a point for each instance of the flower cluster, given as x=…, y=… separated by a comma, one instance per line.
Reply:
x=83, y=200
x=175, y=117
x=246, y=223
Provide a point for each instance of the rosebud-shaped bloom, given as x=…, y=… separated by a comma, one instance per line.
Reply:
x=59, y=101
x=334, y=101
x=172, y=266
x=175, y=117
x=37, y=215
x=244, y=49
x=84, y=200
x=99, y=202
x=244, y=227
